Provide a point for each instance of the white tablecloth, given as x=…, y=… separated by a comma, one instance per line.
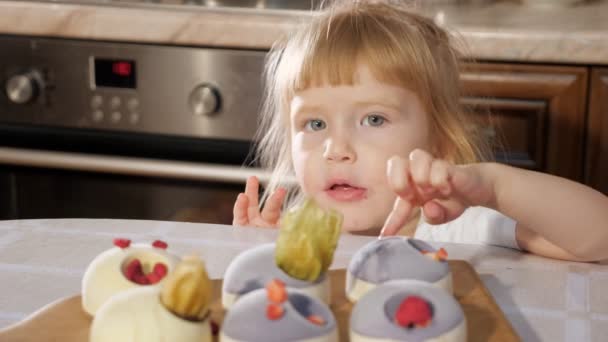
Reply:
x=44, y=260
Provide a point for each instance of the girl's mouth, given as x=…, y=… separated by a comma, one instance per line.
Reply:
x=345, y=192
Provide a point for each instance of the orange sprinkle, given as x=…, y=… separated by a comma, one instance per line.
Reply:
x=275, y=290
x=274, y=311
x=318, y=320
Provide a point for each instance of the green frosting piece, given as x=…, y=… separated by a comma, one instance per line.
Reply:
x=307, y=240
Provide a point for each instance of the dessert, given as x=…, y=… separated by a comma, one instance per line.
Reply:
x=407, y=310
x=124, y=267
x=255, y=267
x=300, y=257
x=176, y=311
x=395, y=258
x=276, y=313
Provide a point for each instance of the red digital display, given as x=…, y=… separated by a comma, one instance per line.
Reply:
x=115, y=73
x=122, y=68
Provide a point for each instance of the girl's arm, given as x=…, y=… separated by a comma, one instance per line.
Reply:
x=556, y=217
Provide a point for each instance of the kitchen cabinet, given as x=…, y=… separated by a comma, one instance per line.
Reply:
x=534, y=115
x=596, y=166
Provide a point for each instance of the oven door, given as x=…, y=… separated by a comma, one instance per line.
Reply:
x=122, y=176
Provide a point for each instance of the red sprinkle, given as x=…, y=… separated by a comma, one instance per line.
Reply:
x=318, y=320
x=274, y=311
x=275, y=290
x=279, y=282
x=442, y=254
x=122, y=243
x=160, y=269
x=159, y=244
x=413, y=311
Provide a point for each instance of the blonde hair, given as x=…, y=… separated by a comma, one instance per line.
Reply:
x=400, y=48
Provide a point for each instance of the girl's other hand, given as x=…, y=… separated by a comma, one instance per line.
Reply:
x=247, y=209
x=441, y=189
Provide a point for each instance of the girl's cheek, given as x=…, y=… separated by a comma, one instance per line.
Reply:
x=307, y=141
x=380, y=138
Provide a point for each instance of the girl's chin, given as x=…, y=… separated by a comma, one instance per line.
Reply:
x=358, y=219
x=361, y=228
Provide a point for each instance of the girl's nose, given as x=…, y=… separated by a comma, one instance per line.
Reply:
x=339, y=150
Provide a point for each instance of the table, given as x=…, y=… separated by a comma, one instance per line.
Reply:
x=544, y=299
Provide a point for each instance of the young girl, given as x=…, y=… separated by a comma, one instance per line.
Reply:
x=362, y=106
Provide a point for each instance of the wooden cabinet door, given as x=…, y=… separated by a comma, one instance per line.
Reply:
x=539, y=111
x=596, y=165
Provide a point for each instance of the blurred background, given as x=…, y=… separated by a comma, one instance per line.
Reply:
x=146, y=109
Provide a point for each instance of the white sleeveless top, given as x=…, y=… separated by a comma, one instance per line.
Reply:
x=476, y=225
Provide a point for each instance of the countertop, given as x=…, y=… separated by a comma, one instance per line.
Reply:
x=44, y=260
x=491, y=30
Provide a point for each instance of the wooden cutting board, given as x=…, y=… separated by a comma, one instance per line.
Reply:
x=64, y=320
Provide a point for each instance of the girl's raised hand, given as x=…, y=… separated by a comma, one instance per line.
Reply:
x=246, y=210
x=441, y=189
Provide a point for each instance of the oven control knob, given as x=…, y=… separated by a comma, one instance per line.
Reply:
x=205, y=100
x=23, y=88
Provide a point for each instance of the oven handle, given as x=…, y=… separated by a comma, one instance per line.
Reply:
x=130, y=166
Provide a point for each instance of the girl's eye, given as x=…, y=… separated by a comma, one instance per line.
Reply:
x=373, y=120
x=315, y=125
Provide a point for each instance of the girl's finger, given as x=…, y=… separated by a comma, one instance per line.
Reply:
x=252, y=189
x=397, y=218
x=420, y=168
x=433, y=212
x=442, y=211
x=272, y=208
x=439, y=176
x=239, y=212
x=398, y=176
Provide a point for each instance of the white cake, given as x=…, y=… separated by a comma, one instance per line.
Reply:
x=109, y=273
x=176, y=309
x=137, y=315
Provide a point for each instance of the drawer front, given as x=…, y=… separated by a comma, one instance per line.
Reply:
x=533, y=115
x=515, y=129
x=596, y=161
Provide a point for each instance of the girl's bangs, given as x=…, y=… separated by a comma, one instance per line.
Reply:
x=330, y=52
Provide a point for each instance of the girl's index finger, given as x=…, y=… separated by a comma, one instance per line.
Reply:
x=239, y=213
x=398, y=176
x=397, y=218
x=251, y=191
x=252, y=188
x=272, y=210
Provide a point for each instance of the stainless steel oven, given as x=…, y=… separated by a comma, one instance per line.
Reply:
x=120, y=130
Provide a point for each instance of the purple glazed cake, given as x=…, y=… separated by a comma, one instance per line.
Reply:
x=396, y=258
x=407, y=310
